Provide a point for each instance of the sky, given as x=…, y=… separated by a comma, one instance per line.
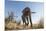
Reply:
x=18, y=6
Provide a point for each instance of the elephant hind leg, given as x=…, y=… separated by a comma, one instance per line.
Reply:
x=23, y=19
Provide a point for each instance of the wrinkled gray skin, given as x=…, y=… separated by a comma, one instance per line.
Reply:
x=26, y=12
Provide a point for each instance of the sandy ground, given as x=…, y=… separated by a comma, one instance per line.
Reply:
x=15, y=26
x=12, y=26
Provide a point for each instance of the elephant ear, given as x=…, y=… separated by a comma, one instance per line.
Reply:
x=24, y=10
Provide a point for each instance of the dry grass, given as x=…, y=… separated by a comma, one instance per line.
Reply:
x=15, y=26
x=12, y=25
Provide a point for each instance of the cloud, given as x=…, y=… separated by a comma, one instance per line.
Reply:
x=28, y=0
